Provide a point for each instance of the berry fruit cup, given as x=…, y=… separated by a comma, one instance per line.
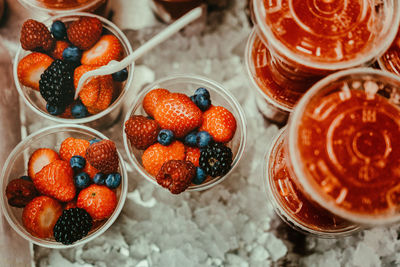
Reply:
x=390, y=61
x=53, y=7
x=290, y=203
x=102, y=119
x=16, y=166
x=296, y=43
x=187, y=84
x=343, y=148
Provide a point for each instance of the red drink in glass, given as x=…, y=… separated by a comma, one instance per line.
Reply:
x=390, y=61
x=52, y=7
x=344, y=145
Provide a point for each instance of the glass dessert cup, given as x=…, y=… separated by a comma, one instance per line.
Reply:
x=343, y=145
x=290, y=203
x=53, y=7
x=16, y=166
x=187, y=84
x=390, y=61
x=171, y=10
x=295, y=44
x=105, y=118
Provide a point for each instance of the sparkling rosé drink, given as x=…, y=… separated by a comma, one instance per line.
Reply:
x=344, y=148
x=291, y=204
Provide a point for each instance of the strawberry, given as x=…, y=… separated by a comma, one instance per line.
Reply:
x=31, y=67
x=156, y=155
x=40, y=216
x=36, y=37
x=73, y=147
x=70, y=205
x=98, y=200
x=84, y=32
x=103, y=156
x=39, y=159
x=89, y=169
x=176, y=112
x=57, y=52
x=219, y=123
x=152, y=98
x=193, y=155
x=106, y=49
x=67, y=113
x=56, y=180
x=176, y=175
x=97, y=94
x=20, y=192
x=141, y=131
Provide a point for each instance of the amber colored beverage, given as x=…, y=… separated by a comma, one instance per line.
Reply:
x=345, y=147
x=51, y=7
x=170, y=10
x=308, y=216
x=390, y=61
x=63, y=3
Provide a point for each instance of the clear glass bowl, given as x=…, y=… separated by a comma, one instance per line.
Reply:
x=340, y=151
x=88, y=6
x=290, y=203
x=34, y=100
x=187, y=84
x=16, y=166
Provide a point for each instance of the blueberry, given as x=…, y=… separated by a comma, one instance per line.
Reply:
x=202, y=102
x=82, y=180
x=165, y=137
x=99, y=178
x=77, y=163
x=113, y=180
x=202, y=91
x=54, y=110
x=79, y=111
x=193, y=98
x=203, y=139
x=200, y=176
x=120, y=76
x=94, y=140
x=72, y=54
x=58, y=30
x=26, y=178
x=190, y=139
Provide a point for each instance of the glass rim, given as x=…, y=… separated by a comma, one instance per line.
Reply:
x=233, y=102
x=295, y=158
x=90, y=118
x=61, y=10
x=281, y=209
x=390, y=29
x=53, y=244
x=248, y=60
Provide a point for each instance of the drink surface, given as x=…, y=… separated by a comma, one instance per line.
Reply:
x=391, y=58
x=63, y=3
x=323, y=30
x=349, y=148
x=304, y=211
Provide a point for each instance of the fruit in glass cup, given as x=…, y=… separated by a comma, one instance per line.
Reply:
x=60, y=198
x=61, y=55
x=185, y=139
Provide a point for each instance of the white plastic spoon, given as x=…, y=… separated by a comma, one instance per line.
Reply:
x=114, y=66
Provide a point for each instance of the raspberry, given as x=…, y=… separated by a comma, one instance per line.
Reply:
x=176, y=112
x=103, y=156
x=36, y=37
x=20, y=192
x=216, y=159
x=73, y=225
x=156, y=155
x=176, y=175
x=85, y=32
x=141, y=131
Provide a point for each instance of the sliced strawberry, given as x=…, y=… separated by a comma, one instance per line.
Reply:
x=106, y=49
x=40, y=216
x=39, y=159
x=31, y=67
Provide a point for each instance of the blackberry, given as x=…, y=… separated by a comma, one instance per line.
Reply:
x=73, y=225
x=216, y=159
x=57, y=84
